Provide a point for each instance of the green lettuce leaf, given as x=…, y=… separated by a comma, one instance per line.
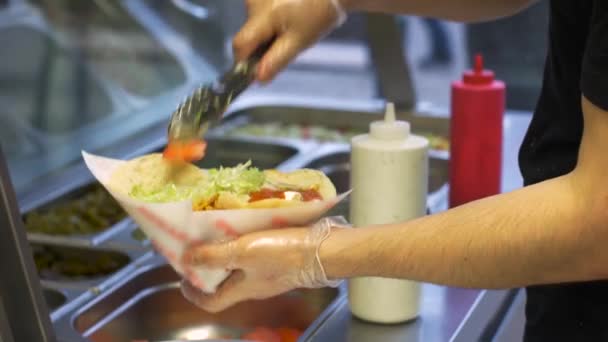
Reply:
x=241, y=179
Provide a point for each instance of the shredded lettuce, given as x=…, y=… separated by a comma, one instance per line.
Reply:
x=241, y=179
x=166, y=193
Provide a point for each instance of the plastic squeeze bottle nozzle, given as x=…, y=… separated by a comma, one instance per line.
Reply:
x=389, y=178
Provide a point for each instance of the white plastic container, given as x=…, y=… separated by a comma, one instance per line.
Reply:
x=389, y=177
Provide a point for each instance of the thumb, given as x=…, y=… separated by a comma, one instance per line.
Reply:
x=212, y=255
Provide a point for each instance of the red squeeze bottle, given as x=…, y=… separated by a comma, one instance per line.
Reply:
x=478, y=105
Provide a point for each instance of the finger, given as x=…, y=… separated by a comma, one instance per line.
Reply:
x=230, y=292
x=213, y=255
x=256, y=31
x=282, y=52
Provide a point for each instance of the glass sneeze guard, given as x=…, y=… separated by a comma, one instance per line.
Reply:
x=82, y=75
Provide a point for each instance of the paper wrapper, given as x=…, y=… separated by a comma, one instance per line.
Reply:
x=172, y=227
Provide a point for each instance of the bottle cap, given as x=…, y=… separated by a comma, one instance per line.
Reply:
x=478, y=75
x=390, y=128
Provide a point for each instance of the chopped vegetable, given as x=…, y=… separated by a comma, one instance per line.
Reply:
x=139, y=235
x=264, y=334
x=240, y=180
x=168, y=193
x=288, y=334
x=305, y=132
x=57, y=264
x=185, y=151
x=319, y=133
x=265, y=193
x=90, y=213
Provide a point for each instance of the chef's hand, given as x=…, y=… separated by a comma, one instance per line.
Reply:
x=296, y=25
x=264, y=264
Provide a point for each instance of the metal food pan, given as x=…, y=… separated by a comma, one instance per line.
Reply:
x=85, y=212
x=63, y=297
x=54, y=299
x=60, y=300
x=148, y=305
x=81, y=268
x=328, y=116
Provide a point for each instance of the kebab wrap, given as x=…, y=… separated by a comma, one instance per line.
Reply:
x=179, y=205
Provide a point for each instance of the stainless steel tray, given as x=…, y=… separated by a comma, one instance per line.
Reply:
x=329, y=116
x=110, y=260
x=148, y=305
x=64, y=297
x=91, y=239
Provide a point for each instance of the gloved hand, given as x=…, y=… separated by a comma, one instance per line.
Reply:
x=296, y=25
x=264, y=264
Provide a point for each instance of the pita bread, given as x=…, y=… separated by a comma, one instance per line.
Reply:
x=303, y=179
x=152, y=171
x=298, y=180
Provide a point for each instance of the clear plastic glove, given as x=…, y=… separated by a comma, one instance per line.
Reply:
x=295, y=25
x=264, y=264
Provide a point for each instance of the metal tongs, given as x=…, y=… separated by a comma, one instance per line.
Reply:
x=206, y=105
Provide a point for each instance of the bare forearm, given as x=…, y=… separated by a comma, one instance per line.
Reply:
x=457, y=10
x=536, y=235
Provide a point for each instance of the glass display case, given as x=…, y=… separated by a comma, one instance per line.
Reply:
x=82, y=75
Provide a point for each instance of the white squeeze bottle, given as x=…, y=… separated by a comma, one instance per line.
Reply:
x=389, y=177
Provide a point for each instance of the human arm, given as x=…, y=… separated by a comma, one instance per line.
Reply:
x=554, y=231
x=460, y=10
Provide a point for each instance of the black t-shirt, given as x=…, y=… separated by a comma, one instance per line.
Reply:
x=577, y=64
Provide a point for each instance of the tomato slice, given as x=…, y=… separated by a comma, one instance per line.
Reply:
x=310, y=195
x=262, y=334
x=265, y=193
x=288, y=334
x=185, y=151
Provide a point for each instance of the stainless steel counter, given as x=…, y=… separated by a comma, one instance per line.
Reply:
x=447, y=314
x=442, y=311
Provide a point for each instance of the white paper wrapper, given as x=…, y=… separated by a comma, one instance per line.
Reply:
x=172, y=227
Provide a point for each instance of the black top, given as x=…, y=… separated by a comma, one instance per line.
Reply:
x=577, y=63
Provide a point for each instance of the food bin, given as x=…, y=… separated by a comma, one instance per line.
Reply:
x=148, y=305
x=325, y=124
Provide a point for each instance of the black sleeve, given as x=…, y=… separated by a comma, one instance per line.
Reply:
x=594, y=78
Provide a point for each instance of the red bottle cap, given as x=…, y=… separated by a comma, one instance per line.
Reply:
x=478, y=76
